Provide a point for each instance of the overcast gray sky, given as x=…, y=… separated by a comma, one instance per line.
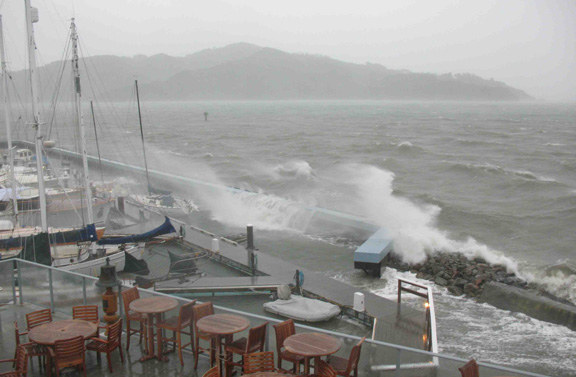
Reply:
x=529, y=44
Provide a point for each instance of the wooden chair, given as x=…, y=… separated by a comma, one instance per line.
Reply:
x=32, y=349
x=37, y=318
x=128, y=296
x=470, y=369
x=68, y=353
x=243, y=346
x=323, y=369
x=344, y=367
x=86, y=313
x=201, y=311
x=20, y=363
x=178, y=325
x=284, y=330
x=212, y=372
x=107, y=346
x=259, y=362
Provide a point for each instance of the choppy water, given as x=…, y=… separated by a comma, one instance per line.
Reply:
x=497, y=180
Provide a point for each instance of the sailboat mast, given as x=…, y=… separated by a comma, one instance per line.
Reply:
x=8, y=125
x=142, y=137
x=80, y=123
x=32, y=17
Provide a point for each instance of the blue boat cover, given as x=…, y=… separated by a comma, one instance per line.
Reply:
x=165, y=228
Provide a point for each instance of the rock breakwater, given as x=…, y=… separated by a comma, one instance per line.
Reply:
x=459, y=274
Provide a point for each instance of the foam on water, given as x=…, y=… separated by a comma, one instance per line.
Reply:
x=294, y=168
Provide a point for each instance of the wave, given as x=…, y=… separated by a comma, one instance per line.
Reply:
x=293, y=169
x=412, y=226
x=498, y=170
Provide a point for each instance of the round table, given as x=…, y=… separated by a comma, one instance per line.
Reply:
x=222, y=326
x=153, y=307
x=48, y=333
x=312, y=344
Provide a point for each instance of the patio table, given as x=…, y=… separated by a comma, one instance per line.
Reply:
x=153, y=307
x=222, y=326
x=312, y=345
x=48, y=333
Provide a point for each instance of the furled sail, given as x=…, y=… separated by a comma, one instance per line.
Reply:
x=165, y=228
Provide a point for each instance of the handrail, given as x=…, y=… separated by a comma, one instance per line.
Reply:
x=434, y=353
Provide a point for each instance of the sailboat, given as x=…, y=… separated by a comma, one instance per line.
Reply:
x=156, y=200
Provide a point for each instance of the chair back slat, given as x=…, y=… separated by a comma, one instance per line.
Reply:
x=283, y=330
x=186, y=315
x=470, y=369
x=38, y=318
x=128, y=296
x=21, y=363
x=69, y=351
x=86, y=313
x=212, y=372
x=256, y=338
x=324, y=369
x=354, y=357
x=114, y=334
x=201, y=311
x=259, y=362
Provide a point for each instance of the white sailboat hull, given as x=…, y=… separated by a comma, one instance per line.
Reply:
x=92, y=266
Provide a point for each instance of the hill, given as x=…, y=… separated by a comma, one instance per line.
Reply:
x=245, y=71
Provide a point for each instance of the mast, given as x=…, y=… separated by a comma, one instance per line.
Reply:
x=8, y=125
x=32, y=17
x=80, y=123
x=142, y=136
x=97, y=144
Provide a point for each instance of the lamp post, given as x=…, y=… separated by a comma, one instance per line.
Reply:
x=109, y=280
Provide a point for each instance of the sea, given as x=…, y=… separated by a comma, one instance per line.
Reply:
x=495, y=180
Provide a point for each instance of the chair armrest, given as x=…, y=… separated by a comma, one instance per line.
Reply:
x=100, y=340
x=7, y=360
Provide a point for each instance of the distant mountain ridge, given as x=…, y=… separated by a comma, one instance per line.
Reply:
x=246, y=71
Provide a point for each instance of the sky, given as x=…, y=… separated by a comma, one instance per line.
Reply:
x=528, y=44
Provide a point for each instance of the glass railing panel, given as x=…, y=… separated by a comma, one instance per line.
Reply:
x=6, y=281
x=70, y=290
x=34, y=282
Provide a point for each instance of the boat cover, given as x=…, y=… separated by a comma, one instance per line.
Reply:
x=135, y=266
x=303, y=309
x=37, y=249
x=182, y=264
x=165, y=228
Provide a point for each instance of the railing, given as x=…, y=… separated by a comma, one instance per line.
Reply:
x=24, y=282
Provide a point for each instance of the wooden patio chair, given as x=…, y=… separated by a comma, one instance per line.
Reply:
x=68, y=353
x=86, y=313
x=37, y=318
x=259, y=362
x=107, y=346
x=128, y=296
x=32, y=349
x=212, y=372
x=201, y=311
x=470, y=369
x=178, y=326
x=344, y=367
x=323, y=369
x=243, y=346
x=19, y=362
x=284, y=330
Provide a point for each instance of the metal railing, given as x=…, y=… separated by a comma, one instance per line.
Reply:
x=59, y=290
